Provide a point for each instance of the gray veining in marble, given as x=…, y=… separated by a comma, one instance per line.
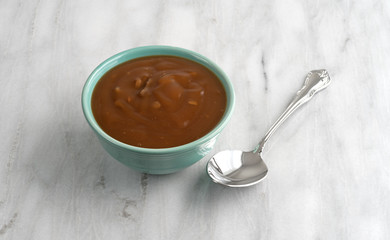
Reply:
x=329, y=164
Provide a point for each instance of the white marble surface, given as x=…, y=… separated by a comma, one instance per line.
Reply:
x=329, y=164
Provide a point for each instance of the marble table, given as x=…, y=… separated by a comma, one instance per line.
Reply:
x=329, y=164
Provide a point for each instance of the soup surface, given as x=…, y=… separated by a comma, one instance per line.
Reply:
x=158, y=101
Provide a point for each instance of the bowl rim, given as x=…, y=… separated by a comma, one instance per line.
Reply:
x=167, y=51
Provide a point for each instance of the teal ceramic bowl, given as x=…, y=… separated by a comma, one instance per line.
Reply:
x=162, y=160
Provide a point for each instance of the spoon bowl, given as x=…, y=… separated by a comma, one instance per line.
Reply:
x=235, y=168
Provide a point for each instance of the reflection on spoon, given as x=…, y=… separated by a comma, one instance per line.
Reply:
x=235, y=168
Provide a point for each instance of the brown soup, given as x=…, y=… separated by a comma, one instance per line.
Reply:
x=158, y=101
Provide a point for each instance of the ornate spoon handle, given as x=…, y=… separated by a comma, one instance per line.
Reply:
x=315, y=81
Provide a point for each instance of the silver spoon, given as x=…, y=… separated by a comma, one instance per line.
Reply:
x=235, y=168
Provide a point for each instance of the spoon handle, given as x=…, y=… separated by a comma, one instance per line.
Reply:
x=315, y=81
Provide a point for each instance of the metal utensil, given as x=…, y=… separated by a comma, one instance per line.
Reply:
x=235, y=168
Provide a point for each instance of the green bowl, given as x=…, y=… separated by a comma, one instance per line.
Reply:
x=161, y=160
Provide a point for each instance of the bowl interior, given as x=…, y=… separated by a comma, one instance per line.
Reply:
x=152, y=51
